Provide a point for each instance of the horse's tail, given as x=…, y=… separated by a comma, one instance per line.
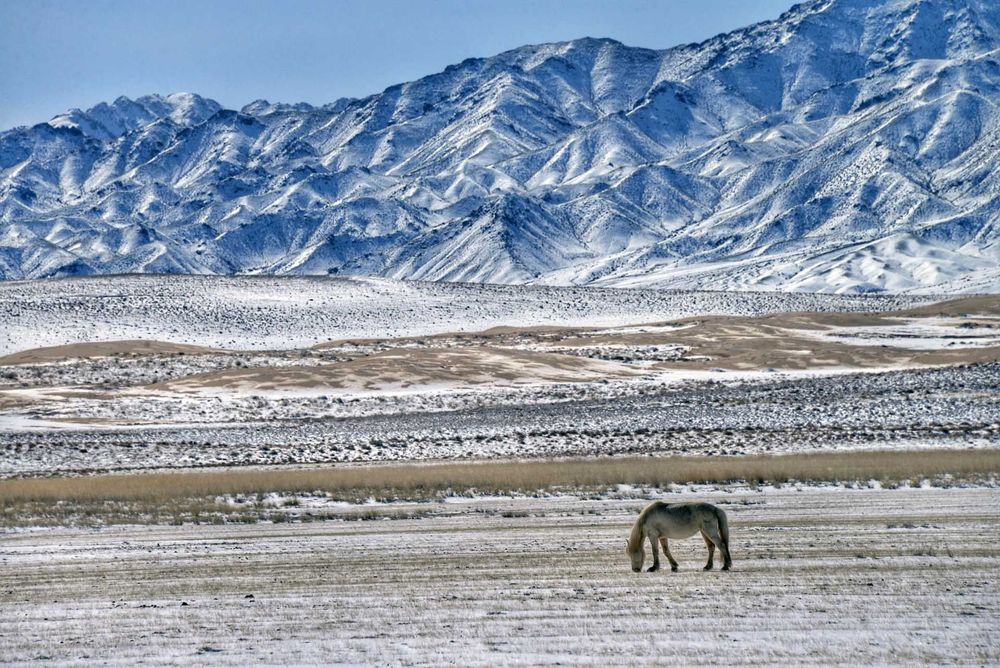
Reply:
x=723, y=526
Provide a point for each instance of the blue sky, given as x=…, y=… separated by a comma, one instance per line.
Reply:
x=55, y=55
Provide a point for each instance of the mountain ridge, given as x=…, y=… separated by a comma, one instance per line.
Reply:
x=846, y=146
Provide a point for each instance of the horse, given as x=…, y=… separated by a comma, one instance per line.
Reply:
x=659, y=521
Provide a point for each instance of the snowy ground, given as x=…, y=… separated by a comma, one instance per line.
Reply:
x=821, y=576
x=313, y=371
x=947, y=408
x=249, y=312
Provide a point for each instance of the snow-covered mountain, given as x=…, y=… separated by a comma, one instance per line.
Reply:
x=849, y=145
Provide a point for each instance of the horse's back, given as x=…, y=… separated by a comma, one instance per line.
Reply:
x=690, y=508
x=685, y=511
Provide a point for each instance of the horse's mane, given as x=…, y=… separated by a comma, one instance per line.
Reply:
x=635, y=538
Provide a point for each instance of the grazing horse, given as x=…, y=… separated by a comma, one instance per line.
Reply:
x=659, y=521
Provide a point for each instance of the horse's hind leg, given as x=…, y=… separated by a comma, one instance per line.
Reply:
x=711, y=551
x=670, y=557
x=713, y=533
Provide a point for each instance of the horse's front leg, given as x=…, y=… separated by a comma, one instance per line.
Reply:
x=655, y=545
x=666, y=552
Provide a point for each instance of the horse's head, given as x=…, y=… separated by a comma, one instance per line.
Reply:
x=637, y=557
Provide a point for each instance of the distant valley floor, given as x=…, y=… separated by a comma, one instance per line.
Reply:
x=256, y=371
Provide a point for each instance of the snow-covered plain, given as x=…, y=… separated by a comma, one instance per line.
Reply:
x=280, y=313
x=705, y=413
x=760, y=380
x=328, y=371
x=822, y=576
x=923, y=334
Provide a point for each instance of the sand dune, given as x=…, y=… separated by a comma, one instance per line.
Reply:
x=965, y=330
x=101, y=349
x=411, y=369
x=961, y=331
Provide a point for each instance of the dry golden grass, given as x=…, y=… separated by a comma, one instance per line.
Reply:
x=212, y=496
x=417, y=481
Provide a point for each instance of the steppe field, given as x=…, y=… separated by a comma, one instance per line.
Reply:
x=259, y=470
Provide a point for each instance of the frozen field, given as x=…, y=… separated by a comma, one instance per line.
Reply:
x=821, y=576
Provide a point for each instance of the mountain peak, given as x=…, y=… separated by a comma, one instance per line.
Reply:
x=106, y=121
x=263, y=107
